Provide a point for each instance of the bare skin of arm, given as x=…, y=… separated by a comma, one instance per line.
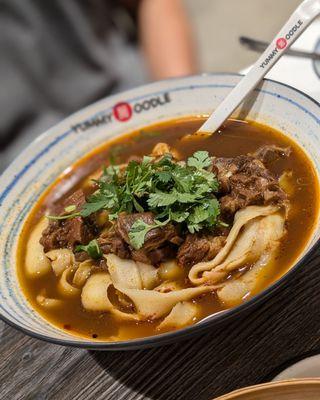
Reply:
x=166, y=38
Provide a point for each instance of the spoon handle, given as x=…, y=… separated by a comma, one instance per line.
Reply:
x=297, y=23
x=260, y=46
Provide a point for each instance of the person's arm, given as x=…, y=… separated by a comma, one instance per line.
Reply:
x=166, y=38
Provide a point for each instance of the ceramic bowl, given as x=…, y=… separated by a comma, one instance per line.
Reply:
x=296, y=389
x=273, y=104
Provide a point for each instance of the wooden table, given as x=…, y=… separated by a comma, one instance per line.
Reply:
x=245, y=352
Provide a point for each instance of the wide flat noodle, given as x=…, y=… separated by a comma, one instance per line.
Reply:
x=124, y=273
x=130, y=274
x=235, y=290
x=181, y=315
x=170, y=270
x=37, y=264
x=148, y=274
x=82, y=273
x=95, y=297
x=151, y=304
x=65, y=287
x=48, y=302
x=248, y=238
x=61, y=259
x=169, y=286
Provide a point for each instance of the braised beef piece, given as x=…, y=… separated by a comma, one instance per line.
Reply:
x=224, y=168
x=244, y=181
x=159, y=243
x=199, y=247
x=69, y=232
x=156, y=256
x=154, y=238
x=271, y=153
x=76, y=199
x=111, y=242
x=81, y=256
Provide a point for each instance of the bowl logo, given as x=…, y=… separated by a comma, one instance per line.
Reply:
x=281, y=43
x=122, y=111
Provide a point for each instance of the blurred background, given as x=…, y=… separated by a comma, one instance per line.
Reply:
x=58, y=56
x=218, y=24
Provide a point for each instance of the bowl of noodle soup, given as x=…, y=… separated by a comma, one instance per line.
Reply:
x=154, y=281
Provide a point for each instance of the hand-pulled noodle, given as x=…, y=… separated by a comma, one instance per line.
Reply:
x=182, y=314
x=253, y=239
x=48, y=302
x=66, y=288
x=168, y=286
x=253, y=233
x=170, y=270
x=36, y=262
x=271, y=231
x=95, y=296
x=286, y=182
x=124, y=275
x=82, y=273
x=234, y=291
x=168, y=234
x=61, y=259
x=151, y=304
x=130, y=274
x=148, y=274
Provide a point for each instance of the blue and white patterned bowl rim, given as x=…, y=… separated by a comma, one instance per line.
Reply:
x=273, y=104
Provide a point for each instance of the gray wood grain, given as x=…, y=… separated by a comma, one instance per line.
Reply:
x=243, y=353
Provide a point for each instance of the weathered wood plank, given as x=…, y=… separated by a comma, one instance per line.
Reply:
x=243, y=353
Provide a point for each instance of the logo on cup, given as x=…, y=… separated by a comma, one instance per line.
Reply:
x=281, y=43
x=122, y=111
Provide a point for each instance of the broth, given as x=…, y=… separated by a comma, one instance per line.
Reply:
x=237, y=138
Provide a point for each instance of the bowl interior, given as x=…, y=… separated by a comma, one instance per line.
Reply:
x=273, y=104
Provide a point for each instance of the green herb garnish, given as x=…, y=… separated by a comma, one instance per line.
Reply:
x=200, y=159
x=139, y=230
x=62, y=217
x=70, y=208
x=92, y=248
x=69, y=213
x=178, y=192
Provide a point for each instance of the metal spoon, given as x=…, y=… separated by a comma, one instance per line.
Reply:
x=297, y=23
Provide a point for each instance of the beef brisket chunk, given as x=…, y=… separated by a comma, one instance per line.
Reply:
x=244, y=181
x=76, y=199
x=156, y=256
x=112, y=242
x=199, y=247
x=67, y=233
x=271, y=153
x=71, y=232
x=154, y=238
x=160, y=243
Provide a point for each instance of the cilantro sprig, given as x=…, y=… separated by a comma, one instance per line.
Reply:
x=139, y=231
x=178, y=192
x=92, y=248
